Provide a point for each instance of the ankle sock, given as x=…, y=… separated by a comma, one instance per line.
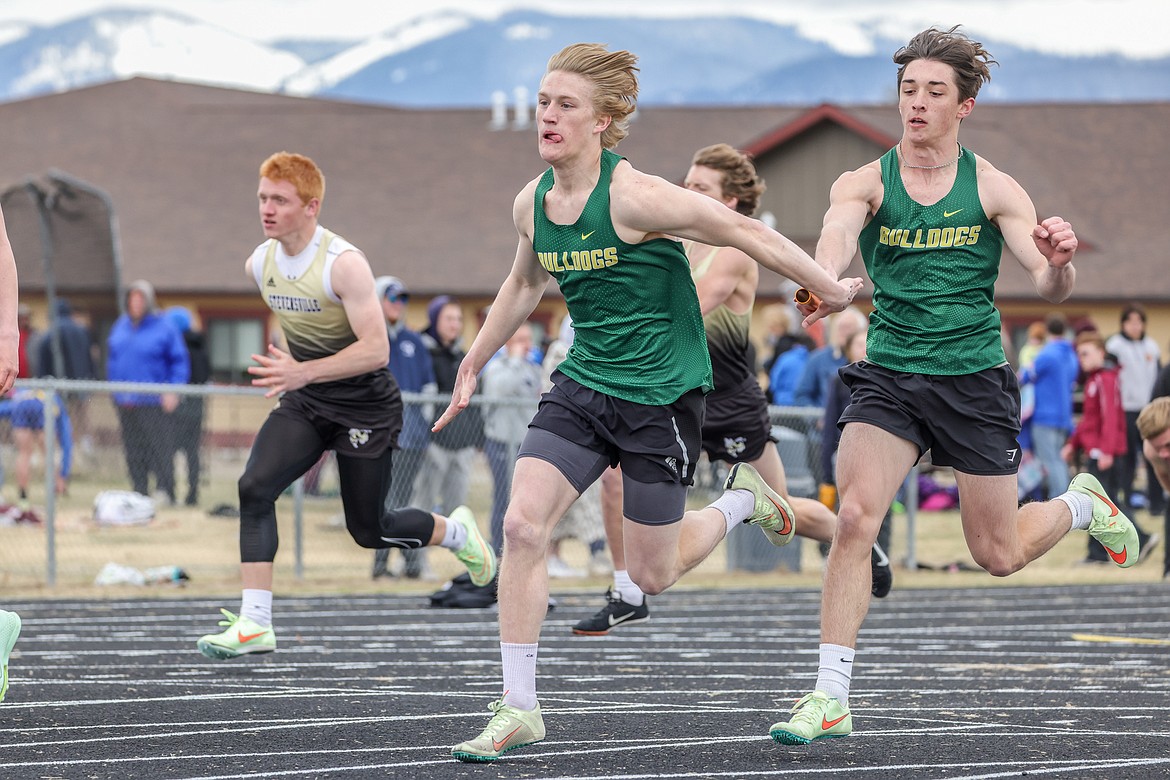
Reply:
x=836, y=671
x=257, y=606
x=627, y=589
x=519, y=674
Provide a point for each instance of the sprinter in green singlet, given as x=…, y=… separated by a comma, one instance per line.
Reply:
x=736, y=424
x=932, y=218
x=630, y=391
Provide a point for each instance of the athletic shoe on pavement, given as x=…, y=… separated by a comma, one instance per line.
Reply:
x=476, y=554
x=240, y=636
x=509, y=728
x=1109, y=526
x=816, y=716
x=772, y=513
x=883, y=575
x=9, y=631
x=615, y=613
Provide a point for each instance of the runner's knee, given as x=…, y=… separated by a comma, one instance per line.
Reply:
x=855, y=526
x=524, y=533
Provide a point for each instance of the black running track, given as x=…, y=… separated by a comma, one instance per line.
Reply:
x=1060, y=682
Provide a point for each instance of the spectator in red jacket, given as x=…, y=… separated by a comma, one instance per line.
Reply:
x=1101, y=432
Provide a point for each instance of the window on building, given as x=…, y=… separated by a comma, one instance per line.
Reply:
x=231, y=342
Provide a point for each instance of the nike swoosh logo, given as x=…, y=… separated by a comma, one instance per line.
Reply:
x=951, y=213
x=246, y=638
x=497, y=744
x=398, y=541
x=614, y=619
x=785, y=529
x=1118, y=557
x=483, y=565
x=828, y=724
x=1112, y=507
x=586, y=235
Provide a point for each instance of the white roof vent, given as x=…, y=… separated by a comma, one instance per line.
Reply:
x=524, y=113
x=499, y=110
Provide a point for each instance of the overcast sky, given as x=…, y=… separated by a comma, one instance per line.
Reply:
x=1137, y=28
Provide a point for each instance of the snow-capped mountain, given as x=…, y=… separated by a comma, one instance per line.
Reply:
x=452, y=59
x=119, y=44
x=380, y=47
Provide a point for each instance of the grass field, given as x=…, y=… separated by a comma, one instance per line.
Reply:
x=207, y=548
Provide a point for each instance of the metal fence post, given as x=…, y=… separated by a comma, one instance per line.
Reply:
x=50, y=436
x=911, y=505
x=299, y=528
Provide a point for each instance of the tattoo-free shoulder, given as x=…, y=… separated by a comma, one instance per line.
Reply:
x=1000, y=192
x=862, y=184
x=524, y=207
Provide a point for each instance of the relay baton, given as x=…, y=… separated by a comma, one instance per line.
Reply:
x=805, y=298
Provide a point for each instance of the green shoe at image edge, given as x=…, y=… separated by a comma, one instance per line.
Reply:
x=9, y=631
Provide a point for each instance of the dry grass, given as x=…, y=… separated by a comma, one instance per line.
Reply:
x=207, y=548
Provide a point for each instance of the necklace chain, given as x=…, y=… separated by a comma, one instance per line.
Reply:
x=905, y=164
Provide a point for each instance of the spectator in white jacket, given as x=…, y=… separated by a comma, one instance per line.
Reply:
x=1141, y=361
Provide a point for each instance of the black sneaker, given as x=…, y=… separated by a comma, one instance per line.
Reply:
x=615, y=613
x=883, y=575
x=462, y=593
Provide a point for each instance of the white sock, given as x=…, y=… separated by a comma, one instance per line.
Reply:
x=1081, y=507
x=519, y=675
x=627, y=589
x=256, y=605
x=736, y=505
x=455, y=536
x=836, y=671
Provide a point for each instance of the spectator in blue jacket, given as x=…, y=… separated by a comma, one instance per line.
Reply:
x=787, y=370
x=1053, y=375
x=820, y=370
x=144, y=346
x=410, y=363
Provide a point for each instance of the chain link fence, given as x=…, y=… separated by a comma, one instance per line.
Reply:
x=192, y=459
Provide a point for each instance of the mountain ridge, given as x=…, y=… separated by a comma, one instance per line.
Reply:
x=453, y=59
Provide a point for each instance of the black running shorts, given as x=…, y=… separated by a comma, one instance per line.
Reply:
x=970, y=422
x=359, y=438
x=736, y=426
x=652, y=443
